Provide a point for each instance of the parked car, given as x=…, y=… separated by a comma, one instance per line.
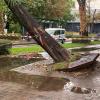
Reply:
x=57, y=34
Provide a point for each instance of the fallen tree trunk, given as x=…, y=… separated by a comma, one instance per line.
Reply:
x=57, y=52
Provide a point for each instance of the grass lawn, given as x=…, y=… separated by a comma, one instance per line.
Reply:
x=23, y=50
x=73, y=45
x=37, y=48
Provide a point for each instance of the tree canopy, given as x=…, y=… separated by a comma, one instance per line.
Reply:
x=51, y=9
x=42, y=9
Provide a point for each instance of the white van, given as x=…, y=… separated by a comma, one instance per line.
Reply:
x=57, y=34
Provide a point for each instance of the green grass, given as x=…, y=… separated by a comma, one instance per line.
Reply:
x=73, y=45
x=95, y=42
x=23, y=50
x=92, y=35
x=37, y=48
x=61, y=65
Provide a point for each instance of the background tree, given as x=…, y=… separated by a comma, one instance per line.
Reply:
x=1, y=22
x=89, y=16
x=42, y=10
x=51, y=9
x=13, y=23
x=2, y=7
x=83, y=20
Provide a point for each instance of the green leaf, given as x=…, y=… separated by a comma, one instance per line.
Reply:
x=14, y=2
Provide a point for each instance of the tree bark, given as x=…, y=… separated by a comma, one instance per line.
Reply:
x=57, y=52
x=83, y=20
x=1, y=22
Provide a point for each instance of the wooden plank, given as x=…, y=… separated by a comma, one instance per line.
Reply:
x=85, y=61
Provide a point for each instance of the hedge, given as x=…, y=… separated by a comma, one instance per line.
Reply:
x=5, y=45
x=10, y=36
x=81, y=40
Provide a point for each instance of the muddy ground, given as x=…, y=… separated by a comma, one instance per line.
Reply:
x=80, y=85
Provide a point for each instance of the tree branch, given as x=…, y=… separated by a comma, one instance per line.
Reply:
x=81, y=2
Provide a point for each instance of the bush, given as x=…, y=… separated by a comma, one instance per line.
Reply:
x=5, y=45
x=14, y=26
x=10, y=36
x=81, y=40
x=71, y=34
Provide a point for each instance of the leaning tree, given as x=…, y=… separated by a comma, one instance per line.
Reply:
x=56, y=51
x=83, y=20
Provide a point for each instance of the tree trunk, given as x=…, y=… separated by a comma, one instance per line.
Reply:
x=1, y=22
x=57, y=52
x=83, y=20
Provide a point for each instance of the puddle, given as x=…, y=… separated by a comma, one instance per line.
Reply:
x=41, y=83
x=79, y=90
x=51, y=83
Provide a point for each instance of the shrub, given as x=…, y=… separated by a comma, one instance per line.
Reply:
x=81, y=40
x=5, y=45
x=10, y=36
x=71, y=34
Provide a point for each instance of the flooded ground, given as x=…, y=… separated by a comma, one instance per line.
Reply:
x=80, y=85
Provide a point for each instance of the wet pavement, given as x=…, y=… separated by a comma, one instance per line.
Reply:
x=52, y=90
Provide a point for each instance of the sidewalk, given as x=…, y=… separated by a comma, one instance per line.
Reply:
x=23, y=42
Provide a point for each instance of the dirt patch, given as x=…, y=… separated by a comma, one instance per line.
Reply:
x=9, y=62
